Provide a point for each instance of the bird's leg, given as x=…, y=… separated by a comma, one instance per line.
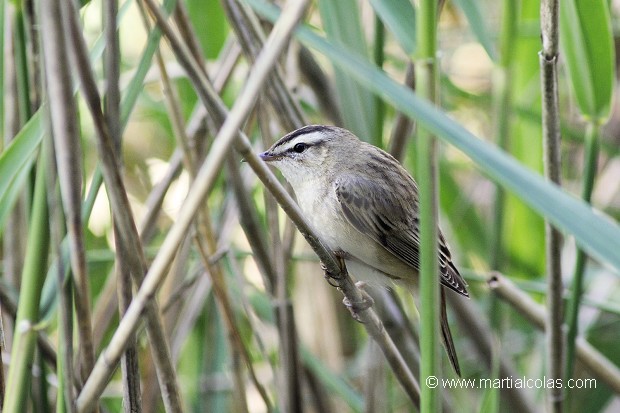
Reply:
x=335, y=281
x=332, y=279
x=364, y=304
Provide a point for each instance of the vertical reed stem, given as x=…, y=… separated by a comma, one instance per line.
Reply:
x=551, y=147
x=428, y=185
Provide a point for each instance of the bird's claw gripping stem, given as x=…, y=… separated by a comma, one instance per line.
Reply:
x=332, y=279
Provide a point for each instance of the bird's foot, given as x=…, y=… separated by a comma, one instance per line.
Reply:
x=358, y=306
x=333, y=279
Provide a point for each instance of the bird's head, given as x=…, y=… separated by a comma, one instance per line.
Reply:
x=311, y=151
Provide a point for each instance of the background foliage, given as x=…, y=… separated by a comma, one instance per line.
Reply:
x=250, y=323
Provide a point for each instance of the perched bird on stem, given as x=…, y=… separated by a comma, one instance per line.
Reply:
x=364, y=205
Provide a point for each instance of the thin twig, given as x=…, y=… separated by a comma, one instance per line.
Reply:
x=132, y=402
x=63, y=115
x=551, y=148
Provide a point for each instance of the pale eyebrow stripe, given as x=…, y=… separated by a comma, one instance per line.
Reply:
x=302, y=131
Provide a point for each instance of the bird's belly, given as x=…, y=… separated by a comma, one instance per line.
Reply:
x=366, y=259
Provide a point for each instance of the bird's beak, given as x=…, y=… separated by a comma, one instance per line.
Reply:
x=266, y=156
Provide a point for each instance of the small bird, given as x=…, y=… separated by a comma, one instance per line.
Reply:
x=363, y=203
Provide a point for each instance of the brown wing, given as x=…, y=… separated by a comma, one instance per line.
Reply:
x=374, y=210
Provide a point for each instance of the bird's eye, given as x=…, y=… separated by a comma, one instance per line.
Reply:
x=300, y=147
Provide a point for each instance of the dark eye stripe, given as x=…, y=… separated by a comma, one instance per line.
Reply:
x=302, y=131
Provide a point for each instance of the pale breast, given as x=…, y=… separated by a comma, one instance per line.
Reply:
x=325, y=215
